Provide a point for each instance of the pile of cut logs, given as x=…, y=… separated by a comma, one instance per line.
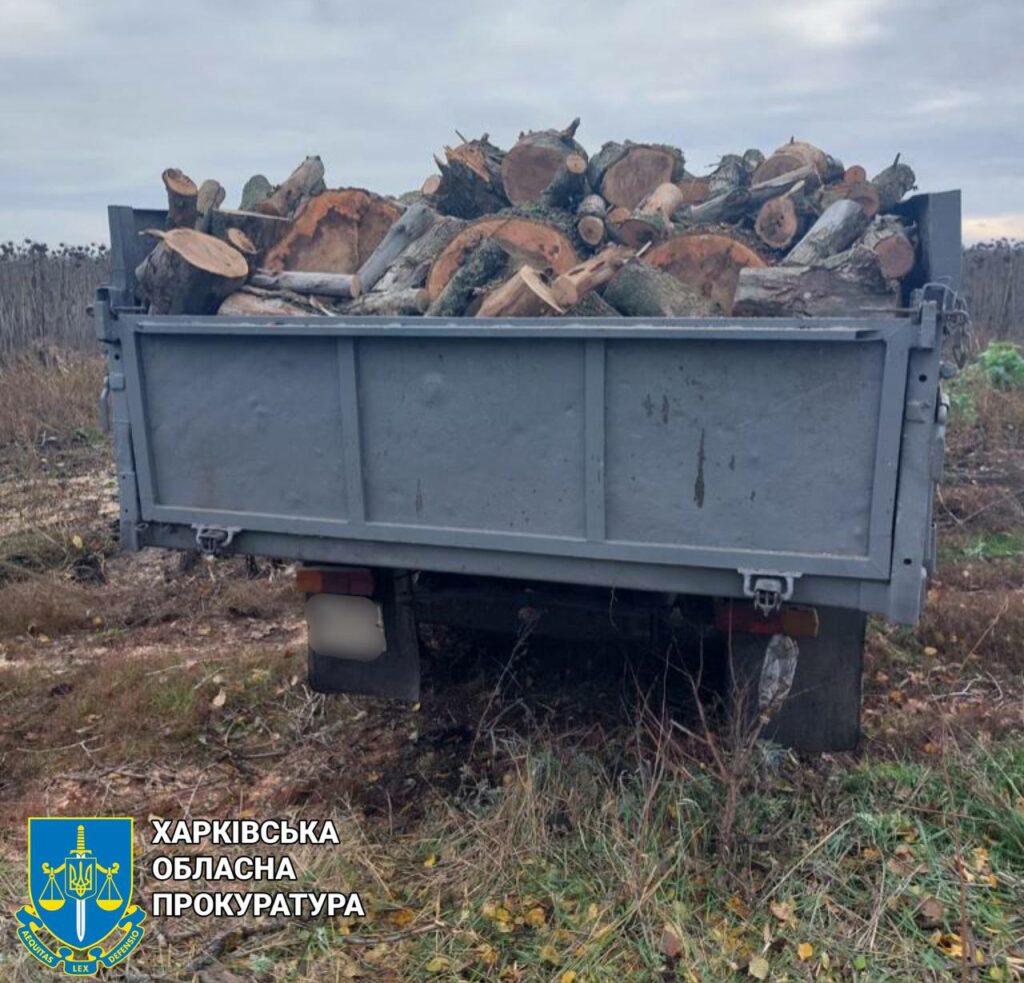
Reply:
x=541, y=230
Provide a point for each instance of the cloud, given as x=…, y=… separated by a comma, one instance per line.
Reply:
x=1006, y=226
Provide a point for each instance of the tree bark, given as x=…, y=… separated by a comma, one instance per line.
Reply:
x=430, y=185
x=589, y=275
x=625, y=173
x=240, y=241
x=410, y=269
x=181, y=199
x=893, y=244
x=642, y=290
x=854, y=174
x=483, y=264
x=345, y=285
x=306, y=181
x=849, y=284
x=525, y=294
x=892, y=184
x=590, y=220
x=839, y=226
x=413, y=223
x=732, y=172
x=264, y=231
x=210, y=196
x=246, y=303
x=652, y=218
x=862, y=192
x=189, y=272
x=538, y=160
x=569, y=185
x=793, y=155
x=470, y=183
x=781, y=220
x=395, y=303
x=256, y=190
x=335, y=232
x=708, y=262
x=592, y=305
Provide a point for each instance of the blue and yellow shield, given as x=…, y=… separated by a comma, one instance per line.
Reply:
x=80, y=886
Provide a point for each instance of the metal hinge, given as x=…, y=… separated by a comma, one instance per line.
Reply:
x=768, y=589
x=211, y=539
x=952, y=320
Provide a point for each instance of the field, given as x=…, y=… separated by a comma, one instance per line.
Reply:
x=511, y=826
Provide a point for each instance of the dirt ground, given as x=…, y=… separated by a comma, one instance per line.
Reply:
x=515, y=826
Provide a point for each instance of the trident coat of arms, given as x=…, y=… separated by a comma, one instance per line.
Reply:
x=80, y=883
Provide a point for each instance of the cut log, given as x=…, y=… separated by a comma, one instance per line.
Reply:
x=708, y=262
x=413, y=265
x=525, y=294
x=728, y=207
x=850, y=284
x=568, y=186
x=642, y=290
x=335, y=232
x=753, y=158
x=396, y=303
x=263, y=231
x=892, y=184
x=590, y=219
x=589, y=275
x=210, y=196
x=484, y=264
x=538, y=159
x=862, y=192
x=430, y=185
x=305, y=182
x=694, y=189
x=778, y=223
x=732, y=172
x=256, y=190
x=413, y=223
x=189, y=272
x=792, y=155
x=345, y=285
x=839, y=226
x=893, y=244
x=855, y=174
x=240, y=241
x=625, y=173
x=181, y=199
x=471, y=182
x=592, y=305
x=246, y=303
x=526, y=240
x=652, y=219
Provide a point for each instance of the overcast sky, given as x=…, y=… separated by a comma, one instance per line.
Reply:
x=97, y=97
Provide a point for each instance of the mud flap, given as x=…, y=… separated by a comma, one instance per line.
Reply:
x=819, y=709
x=395, y=674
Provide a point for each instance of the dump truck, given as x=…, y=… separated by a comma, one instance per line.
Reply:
x=770, y=478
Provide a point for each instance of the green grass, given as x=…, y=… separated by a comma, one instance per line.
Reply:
x=984, y=546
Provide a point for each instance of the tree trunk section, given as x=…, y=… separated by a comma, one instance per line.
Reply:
x=850, y=284
x=524, y=294
x=862, y=192
x=189, y=272
x=181, y=199
x=482, y=265
x=263, y=231
x=707, y=262
x=240, y=241
x=470, y=184
x=589, y=275
x=642, y=290
x=344, y=285
x=791, y=156
x=256, y=190
x=568, y=186
x=854, y=174
x=210, y=196
x=306, y=181
x=246, y=303
x=413, y=223
x=335, y=232
x=839, y=226
x=592, y=305
x=892, y=184
x=625, y=173
x=893, y=244
x=410, y=269
x=652, y=219
x=590, y=220
x=410, y=301
x=541, y=158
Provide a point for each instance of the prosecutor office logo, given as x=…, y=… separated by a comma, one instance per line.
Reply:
x=80, y=886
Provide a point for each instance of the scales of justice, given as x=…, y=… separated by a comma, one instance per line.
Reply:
x=81, y=883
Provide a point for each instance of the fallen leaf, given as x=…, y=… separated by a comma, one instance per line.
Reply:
x=782, y=910
x=930, y=651
x=804, y=951
x=431, y=861
x=437, y=965
x=758, y=968
x=402, y=917
x=569, y=976
x=220, y=699
x=549, y=954
x=76, y=541
x=536, y=917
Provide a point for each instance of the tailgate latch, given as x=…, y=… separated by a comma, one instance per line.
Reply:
x=210, y=540
x=768, y=589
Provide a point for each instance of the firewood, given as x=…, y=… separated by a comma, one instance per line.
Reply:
x=210, y=196
x=240, y=241
x=256, y=189
x=642, y=290
x=778, y=222
x=306, y=181
x=538, y=159
x=413, y=223
x=854, y=174
x=262, y=230
x=589, y=275
x=568, y=186
x=893, y=244
x=189, y=272
x=410, y=269
x=591, y=305
x=753, y=158
x=731, y=172
x=708, y=262
x=334, y=232
x=181, y=199
x=527, y=240
x=430, y=185
x=892, y=184
x=728, y=207
x=525, y=294
x=850, y=283
x=485, y=263
x=652, y=218
x=796, y=154
x=470, y=183
x=694, y=189
x=345, y=285
x=625, y=173
x=590, y=219
x=395, y=303
x=862, y=192
x=839, y=226
x=244, y=303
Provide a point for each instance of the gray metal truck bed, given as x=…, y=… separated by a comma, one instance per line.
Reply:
x=689, y=455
